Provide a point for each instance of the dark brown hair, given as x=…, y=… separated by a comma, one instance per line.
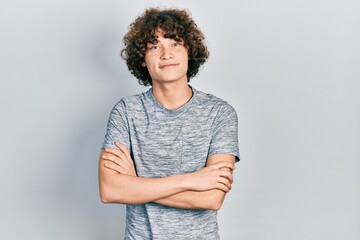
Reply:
x=177, y=24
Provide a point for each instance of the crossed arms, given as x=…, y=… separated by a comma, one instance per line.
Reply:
x=202, y=189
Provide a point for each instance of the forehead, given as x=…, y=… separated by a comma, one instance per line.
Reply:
x=155, y=35
x=159, y=33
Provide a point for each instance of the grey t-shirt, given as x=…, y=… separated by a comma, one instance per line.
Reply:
x=167, y=142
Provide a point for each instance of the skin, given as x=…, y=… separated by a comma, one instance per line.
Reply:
x=167, y=63
x=202, y=189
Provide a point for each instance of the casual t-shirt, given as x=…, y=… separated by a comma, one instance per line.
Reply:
x=165, y=142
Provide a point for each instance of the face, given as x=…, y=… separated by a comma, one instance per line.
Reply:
x=167, y=60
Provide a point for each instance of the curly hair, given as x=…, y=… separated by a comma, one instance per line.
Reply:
x=178, y=25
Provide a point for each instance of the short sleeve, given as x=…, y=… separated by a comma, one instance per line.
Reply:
x=224, y=138
x=117, y=127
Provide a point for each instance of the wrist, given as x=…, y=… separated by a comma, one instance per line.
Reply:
x=186, y=182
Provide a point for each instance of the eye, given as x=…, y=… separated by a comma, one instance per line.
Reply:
x=176, y=44
x=153, y=47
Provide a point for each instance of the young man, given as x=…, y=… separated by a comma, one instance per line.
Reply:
x=169, y=152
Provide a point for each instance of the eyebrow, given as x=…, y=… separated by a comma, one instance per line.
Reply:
x=157, y=40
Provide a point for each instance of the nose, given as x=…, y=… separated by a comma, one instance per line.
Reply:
x=166, y=54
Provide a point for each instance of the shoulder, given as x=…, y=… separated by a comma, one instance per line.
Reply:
x=131, y=102
x=207, y=100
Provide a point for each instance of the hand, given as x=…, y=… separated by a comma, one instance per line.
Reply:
x=216, y=176
x=119, y=160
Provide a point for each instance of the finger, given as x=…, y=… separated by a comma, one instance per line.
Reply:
x=123, y=149
x=229, y=165
x=228, y=169
x=111, y=157
x=223, y=165
x=222, y=187
x=225, y=181
x=116, y=152
x=226, y=174
x=119, y=161
x=124, y=165
x=126, y=152
x=120, y=157
x=115, y=167
x=117, y=156
x=231, y=179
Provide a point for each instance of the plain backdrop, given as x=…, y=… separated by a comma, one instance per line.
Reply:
x=290, y=68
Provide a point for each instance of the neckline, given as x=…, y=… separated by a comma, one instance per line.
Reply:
x=171, y=112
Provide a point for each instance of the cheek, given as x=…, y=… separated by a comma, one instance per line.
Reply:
x=186, y=56
x=149, y=58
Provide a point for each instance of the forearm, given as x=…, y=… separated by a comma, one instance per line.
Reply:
x=126, y=189
x=206, y=200
x=117, y=186
x=211, y=199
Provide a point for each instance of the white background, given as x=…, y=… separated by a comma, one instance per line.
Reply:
x=290, y=68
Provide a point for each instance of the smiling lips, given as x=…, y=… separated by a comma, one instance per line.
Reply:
x=169, y=65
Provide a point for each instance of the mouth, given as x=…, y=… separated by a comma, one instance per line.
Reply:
x=168, y=65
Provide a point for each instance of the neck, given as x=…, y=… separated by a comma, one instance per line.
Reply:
x=172, y=96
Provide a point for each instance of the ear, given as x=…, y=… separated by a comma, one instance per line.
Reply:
x=143, y=63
